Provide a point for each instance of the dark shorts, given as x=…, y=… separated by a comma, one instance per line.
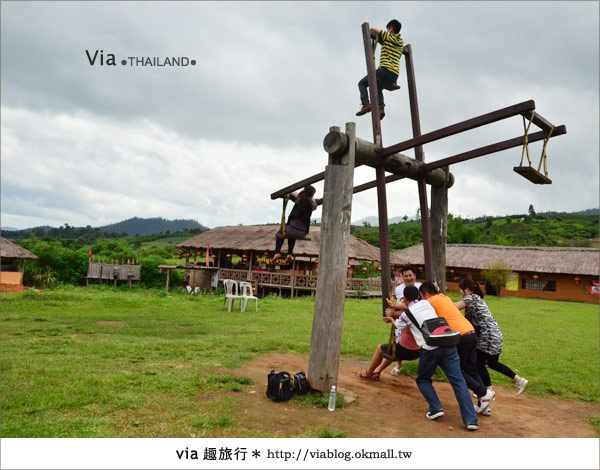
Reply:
x=402, y=354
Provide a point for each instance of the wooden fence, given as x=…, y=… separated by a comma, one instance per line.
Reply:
x=113, y=272
x=295, y=282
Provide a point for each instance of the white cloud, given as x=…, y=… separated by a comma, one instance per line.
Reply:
x=95, y=145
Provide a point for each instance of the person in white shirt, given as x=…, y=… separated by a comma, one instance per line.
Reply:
x=433, y=356
x=409, y=278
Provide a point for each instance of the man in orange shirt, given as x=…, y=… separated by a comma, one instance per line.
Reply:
x=444, y=307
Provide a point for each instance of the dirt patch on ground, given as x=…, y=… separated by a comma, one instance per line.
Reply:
x=13, y=288
x=394, y=407
x=113, y=323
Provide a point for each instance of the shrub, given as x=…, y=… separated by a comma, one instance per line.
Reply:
x=152, y=277
x=497, y=275
x=67, y=265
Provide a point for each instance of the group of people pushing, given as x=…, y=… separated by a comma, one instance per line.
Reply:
x=465, y=365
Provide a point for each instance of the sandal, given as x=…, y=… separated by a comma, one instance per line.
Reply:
x=364, y=375
x=395, y=372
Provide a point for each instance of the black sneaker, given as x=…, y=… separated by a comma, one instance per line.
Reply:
x=436, y=415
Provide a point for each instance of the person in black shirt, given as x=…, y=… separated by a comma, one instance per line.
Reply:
x=298, y=222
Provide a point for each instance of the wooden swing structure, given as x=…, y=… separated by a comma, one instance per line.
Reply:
x=346, y=151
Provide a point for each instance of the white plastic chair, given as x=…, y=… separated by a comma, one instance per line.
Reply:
x=246, y=291
x=231, y=293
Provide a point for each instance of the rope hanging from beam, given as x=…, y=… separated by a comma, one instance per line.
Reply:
x=526, y=140
x=526, y=145
x=281, y=232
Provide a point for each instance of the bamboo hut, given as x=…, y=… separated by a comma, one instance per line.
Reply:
x=545, y=272
x=13, y=262
x=253, y=248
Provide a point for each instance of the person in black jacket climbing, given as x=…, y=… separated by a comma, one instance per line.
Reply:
x=298, y=222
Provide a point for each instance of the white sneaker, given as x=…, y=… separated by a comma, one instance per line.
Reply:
x=481, y=410
x=472, y=427
x=486, y=400
x=521, y=386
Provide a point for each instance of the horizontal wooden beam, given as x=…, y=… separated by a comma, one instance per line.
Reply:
x=299, y=185
x=488, y=149
x=367, y=153
x=538, y=120
x=525, y=107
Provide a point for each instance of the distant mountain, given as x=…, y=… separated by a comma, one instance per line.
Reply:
x=373, y=221
x=138, y=226
x=9, y=229
x=589, y=212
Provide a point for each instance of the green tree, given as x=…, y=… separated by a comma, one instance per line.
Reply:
x=497, y=275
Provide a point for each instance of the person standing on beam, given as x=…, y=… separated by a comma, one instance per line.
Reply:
x=392, y=46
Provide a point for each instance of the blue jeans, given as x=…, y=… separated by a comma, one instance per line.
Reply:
x=384, y=75
x=447, y=359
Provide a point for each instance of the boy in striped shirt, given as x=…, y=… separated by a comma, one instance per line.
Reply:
x=392, y=46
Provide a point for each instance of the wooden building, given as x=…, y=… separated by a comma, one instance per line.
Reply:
x=13, y=261
x=543, y=272
x=253, y=248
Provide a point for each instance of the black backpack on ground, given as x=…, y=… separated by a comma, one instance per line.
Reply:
x=301, y=385
x=279, y=386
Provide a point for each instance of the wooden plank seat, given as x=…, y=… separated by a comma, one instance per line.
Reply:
x=281, y=235
x=387, y=86
x=532, y=175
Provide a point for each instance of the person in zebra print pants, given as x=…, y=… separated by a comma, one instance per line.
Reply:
x=490, y=339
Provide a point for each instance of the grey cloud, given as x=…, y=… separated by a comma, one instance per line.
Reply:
x=280, y=74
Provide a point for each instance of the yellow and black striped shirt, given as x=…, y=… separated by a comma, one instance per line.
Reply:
x=392, y=46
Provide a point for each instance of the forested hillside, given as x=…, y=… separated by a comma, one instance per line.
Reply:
x=548, y=229
x=133, y=226
x=138, y=226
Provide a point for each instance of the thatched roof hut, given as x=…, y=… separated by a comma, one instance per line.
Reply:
x=261, y=238
x=9, y=250
x=552, y=260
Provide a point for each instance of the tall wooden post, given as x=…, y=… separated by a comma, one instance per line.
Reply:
x=326, y=339
x=439, y=232
x=384, y=237
x=419, y=155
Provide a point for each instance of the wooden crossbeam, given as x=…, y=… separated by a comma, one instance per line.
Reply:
x=539, y=121
x=513, y=110
x=488, y=149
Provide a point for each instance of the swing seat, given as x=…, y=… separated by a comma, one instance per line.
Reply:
x=532, y=175
x=387, y=86
x=281, y=235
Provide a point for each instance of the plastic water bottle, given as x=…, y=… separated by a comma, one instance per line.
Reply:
x=332, y=395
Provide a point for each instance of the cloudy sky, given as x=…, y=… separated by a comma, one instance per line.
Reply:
x=96, y=144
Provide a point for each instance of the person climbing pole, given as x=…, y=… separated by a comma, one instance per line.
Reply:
x=298, y=222
x=392, y=46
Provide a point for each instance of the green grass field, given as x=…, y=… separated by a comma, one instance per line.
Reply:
x=98, y=362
